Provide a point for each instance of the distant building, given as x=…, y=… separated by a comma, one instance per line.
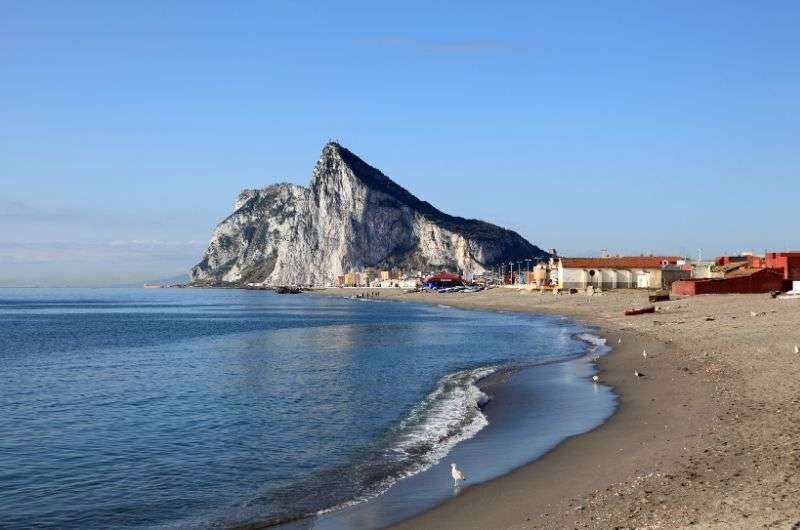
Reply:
x=701, y=269
x=744, y=280
x=410, y=283
x=389, y=275
x=369, y=278
x=787, y=263
x=745, y=273
x=444, y=279
x=621, y=272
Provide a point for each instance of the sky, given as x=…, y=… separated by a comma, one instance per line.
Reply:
x=128, y=128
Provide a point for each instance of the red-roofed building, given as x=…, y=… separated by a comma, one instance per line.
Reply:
x=444, y=279
x=618, y=272
x=621, y=262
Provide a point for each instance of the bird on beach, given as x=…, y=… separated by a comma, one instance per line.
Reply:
x=456, y=474
x=595, y=379
x=619, y=340
x=637, y=373
x=796, y=348
x=644, y=354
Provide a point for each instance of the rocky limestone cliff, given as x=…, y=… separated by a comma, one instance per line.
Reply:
x=350, y=217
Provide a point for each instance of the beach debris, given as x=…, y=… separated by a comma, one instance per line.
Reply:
x=644, y=354
x=619, y=340
x=456, y=474
x=640, y=311
x=759, y=314
x=710, y=319
x=796, y=348
x=637, y=373
x=595, y=379
x=659, y=296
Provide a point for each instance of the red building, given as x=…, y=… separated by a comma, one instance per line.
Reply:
x=748, y=259
x=444, y=279
x=787, y=263
x=746, y=280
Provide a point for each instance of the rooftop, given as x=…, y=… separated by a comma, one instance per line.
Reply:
x=620, y=262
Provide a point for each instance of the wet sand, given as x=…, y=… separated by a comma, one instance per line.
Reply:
x=709, y=438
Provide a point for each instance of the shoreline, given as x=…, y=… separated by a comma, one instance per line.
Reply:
x=646, y=465
x=560, y=386
x=567, y=404
x=569, y=472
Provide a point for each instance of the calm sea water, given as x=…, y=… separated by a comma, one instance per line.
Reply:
x=173, y=408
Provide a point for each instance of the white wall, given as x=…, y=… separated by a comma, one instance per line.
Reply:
x=604, y=278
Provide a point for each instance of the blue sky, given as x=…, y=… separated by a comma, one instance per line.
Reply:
x=127, y=129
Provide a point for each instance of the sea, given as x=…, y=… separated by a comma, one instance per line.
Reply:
x=221, y=408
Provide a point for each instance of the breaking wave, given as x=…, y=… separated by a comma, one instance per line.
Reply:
x=597, y=345
x=449, y=414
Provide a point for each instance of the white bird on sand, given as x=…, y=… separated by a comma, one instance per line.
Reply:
x=596, y=379
x=619, y=340
x=796, y=348
x=644, y=354
x=456, y=474
x=637, y=373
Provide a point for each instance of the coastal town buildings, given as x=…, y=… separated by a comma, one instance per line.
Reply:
x=378, y=278
x=743, y=273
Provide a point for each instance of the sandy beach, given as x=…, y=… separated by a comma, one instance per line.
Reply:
x=708, y=438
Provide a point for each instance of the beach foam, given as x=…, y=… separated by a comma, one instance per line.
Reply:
x=597, y=345
x=449, y=414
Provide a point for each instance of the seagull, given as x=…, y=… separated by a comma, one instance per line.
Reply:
x=596, y=379
x=456, y=474
x=796, y=348
x=619, y=340
x=637, y=373
x=644, y=354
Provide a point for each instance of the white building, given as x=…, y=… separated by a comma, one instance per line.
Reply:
x=621, y=272
x=410, y=283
